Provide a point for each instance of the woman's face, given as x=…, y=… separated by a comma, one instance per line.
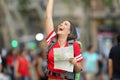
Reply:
x=64, y=28
x=14, y=52
x=24, y=53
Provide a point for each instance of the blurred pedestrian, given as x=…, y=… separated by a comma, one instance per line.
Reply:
x=4, y=71
x=65, y=32
x=31, y=56
x=0, y=61
x=38, y=66
x=43, y=55
x=41, y=65
x=90, y=63
x=22, y=66
x=114, y=61
x=11, y=58
x=102, y=67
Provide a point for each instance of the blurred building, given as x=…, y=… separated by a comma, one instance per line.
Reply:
x=104, y=20
x=17, y=24
x=23, y=19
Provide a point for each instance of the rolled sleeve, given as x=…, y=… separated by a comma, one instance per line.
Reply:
x=50, y=37
x=77, y=52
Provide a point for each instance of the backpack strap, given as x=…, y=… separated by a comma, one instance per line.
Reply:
x=47, y=51
x=70, y=42
x=51, y=44
x=80, y=43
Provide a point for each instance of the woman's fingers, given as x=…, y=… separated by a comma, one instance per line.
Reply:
x=72, y=61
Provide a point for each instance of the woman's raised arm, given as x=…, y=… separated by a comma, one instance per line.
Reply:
x=49, y=20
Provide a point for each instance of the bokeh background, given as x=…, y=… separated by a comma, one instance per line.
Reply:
x=22, y=25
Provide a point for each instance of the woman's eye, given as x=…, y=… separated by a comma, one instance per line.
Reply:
x=65, y=23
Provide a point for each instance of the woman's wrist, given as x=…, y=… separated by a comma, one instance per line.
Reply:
x=78, y=67
x=76, y=64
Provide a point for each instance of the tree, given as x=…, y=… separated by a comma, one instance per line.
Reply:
x=107, y=3
x=22, y=5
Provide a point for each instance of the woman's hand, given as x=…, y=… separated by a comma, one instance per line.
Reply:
x=73, y=61
x=77, y=65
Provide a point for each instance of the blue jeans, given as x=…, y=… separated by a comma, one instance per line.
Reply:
x=25, y=78
x=12, y=73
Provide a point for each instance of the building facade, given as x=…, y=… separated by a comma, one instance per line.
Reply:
x=23, y=23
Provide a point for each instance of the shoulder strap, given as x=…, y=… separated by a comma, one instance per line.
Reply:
x=80, y=43
x=70, y=42
x=51, y=44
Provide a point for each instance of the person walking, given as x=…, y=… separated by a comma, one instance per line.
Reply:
x=90, y=63
x=11, y=58
x=22, y=66
x=114, y=62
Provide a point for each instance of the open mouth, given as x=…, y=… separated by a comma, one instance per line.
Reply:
x=60, y=29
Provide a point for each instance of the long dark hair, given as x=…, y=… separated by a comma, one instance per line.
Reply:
x=73, y=32
x=10, y=52
x=22, y=50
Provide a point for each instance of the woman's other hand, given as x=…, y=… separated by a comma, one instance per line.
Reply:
x=73, y=61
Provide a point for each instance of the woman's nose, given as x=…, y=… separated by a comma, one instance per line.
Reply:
x=60, y=24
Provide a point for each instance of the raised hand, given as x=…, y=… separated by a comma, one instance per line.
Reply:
x=49, y=20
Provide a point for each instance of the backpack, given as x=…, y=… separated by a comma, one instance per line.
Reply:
x=70, y=75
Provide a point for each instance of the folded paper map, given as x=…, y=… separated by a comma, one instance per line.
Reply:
x=61, y=58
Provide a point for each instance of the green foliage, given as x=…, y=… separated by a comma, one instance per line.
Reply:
x=67, y=1
x=108, y=3
x=105, y=2
x=87, y=2
x=22, y=5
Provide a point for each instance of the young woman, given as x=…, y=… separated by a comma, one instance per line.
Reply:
x=22, y=66
x=90, y=63
x=65, y=32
